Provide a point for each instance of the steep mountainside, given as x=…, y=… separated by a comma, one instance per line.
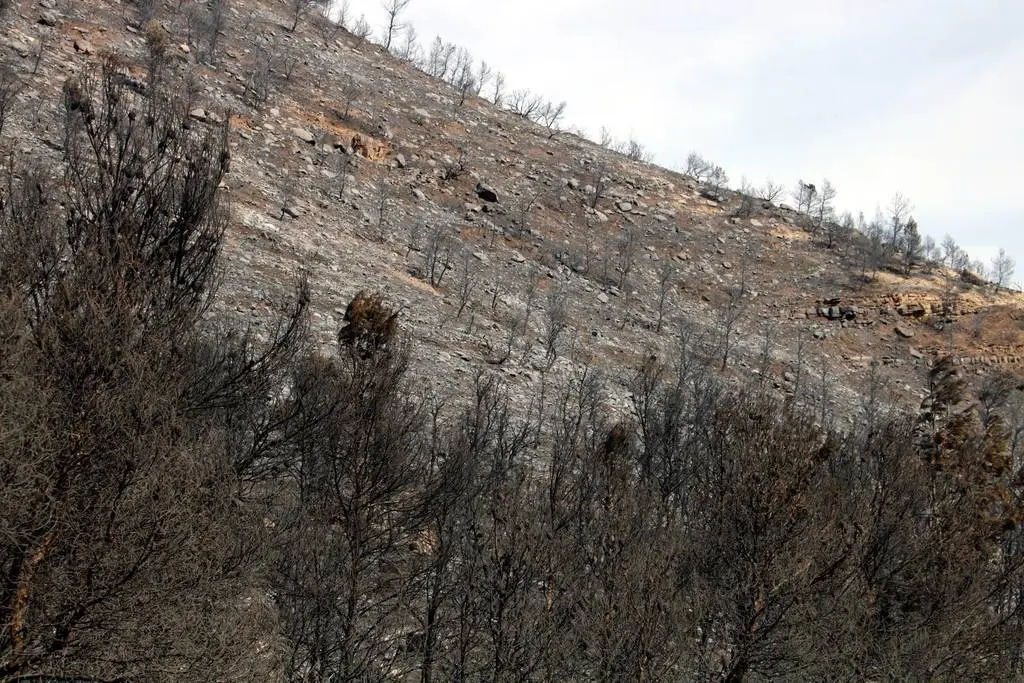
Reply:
x=506, y=247
x=634, y=428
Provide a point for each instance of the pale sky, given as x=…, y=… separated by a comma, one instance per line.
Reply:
x=922, y=97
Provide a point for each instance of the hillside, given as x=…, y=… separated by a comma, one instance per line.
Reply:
x=362, y=170
x=312, y=369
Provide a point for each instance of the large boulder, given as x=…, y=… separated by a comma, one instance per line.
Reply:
x=304, y=135
x=486, y=193
x=49, y=18
x=904, y=331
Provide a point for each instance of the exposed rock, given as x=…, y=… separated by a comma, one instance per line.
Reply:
x=21, y=48
x=84, y=46
x=418, y=194
x=49, y=18
x=486, y=193
x=304, y=135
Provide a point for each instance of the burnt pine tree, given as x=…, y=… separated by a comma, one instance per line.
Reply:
x=121, y=546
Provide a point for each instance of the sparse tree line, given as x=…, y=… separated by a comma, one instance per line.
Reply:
x=456, y=66
x=892, y=235
x=181, y=502
x=447, y=62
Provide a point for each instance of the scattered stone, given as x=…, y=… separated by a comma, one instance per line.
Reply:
x=904, y=331
x=601, y=216
x=400, y=160
x=418, y=194
x=602, y=297
x=914, y=353
x=624, y=207
x=572, y=184
x=49, y=18
x=481, y=257
x=726, y=265
x=198, y=114
x=517, y=257
x=84, y=46
x=291, y=211
x=820, y=334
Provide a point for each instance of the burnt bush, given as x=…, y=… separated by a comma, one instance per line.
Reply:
x=369, y=324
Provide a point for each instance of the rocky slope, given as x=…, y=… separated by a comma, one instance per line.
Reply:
x=507, y=249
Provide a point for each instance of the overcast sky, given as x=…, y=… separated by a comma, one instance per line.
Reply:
x=922, y=97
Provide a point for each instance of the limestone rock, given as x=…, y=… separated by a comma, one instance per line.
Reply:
x=304, y=135
x=49, y=18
